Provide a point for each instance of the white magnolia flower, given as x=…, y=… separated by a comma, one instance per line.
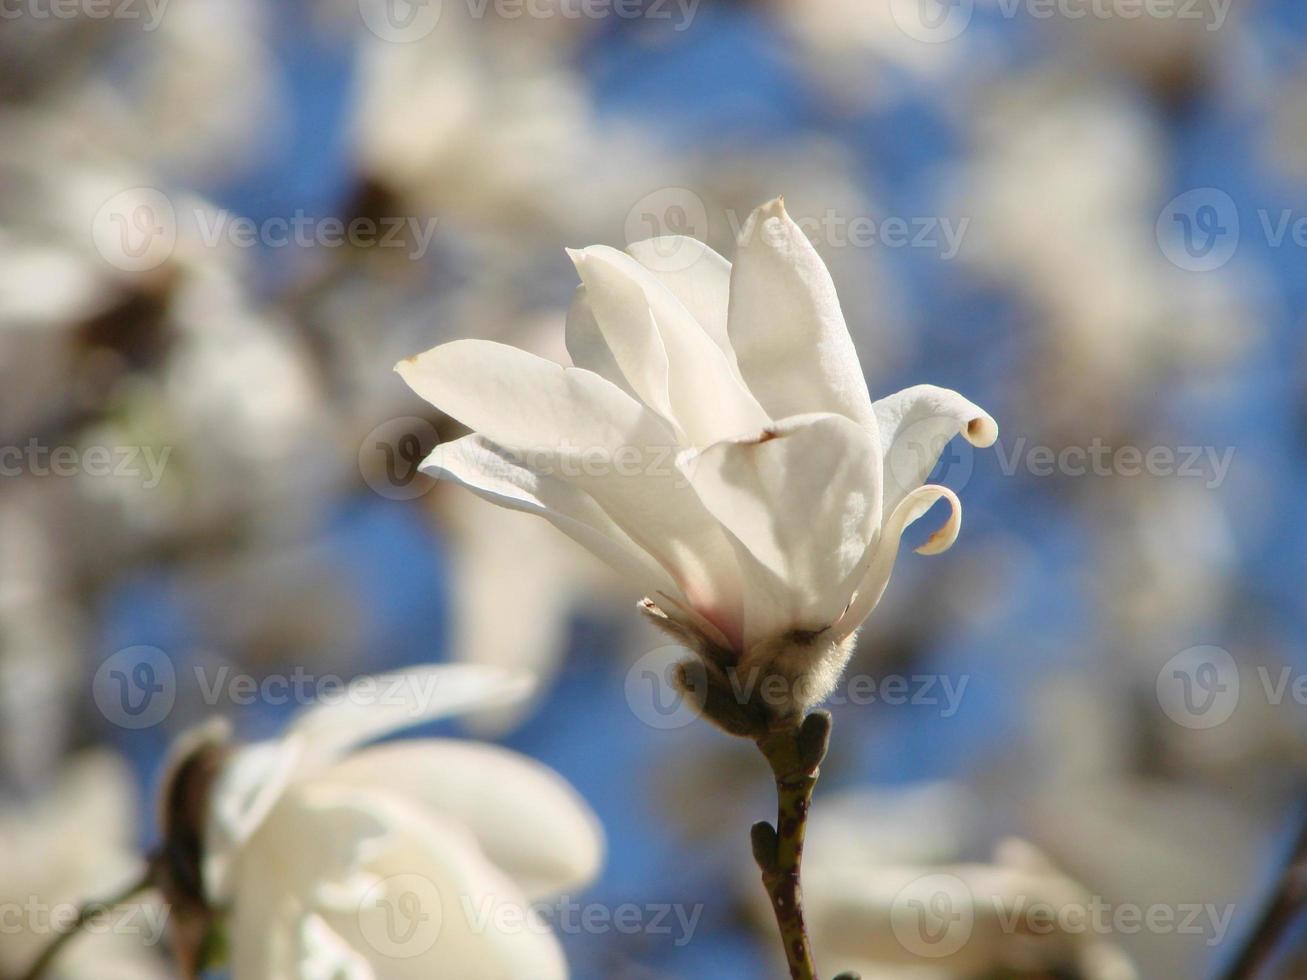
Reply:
x=715, y=440
x=413, y=859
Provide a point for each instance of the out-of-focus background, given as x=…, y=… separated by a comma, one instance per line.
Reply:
x=223, y=221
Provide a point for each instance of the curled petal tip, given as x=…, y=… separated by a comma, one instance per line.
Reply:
x=936, y=543
x=943, y=537
x=982, y=431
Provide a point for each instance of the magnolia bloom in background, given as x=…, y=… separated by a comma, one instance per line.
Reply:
x=714, y=440
x=412, y=859
x=887, y=897
x=1016, y=917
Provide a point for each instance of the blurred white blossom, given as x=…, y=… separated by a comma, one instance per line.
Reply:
x=397, y=860
x=1065, y=189
x=887, y=896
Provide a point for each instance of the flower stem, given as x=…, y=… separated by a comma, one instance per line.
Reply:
x=87, y=915
x=795, y=756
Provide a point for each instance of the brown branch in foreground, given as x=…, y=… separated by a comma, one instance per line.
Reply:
x=87, y=915
x=795, y=755
x=1288, y=901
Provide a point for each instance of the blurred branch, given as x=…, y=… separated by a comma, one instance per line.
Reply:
x=87, y=915
x=1280, y=912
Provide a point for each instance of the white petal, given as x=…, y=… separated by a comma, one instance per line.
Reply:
x=525, y=817
x=803, y=499
x=587, y=431
x=257, y=777
x=379, y=705
x=664, y=516
x=326, y=955
x=488, y=930
x=252, y=781
x=786, y=327
x=678, y=542
x=699, y=278
x=306, y=840
x=706, y=396
x=586, y=345
x=261, y=932
x=915, y=426
x=879, y=562
x=528, y=404
x=627, y=349
x=407, y=891
x=493, y=474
